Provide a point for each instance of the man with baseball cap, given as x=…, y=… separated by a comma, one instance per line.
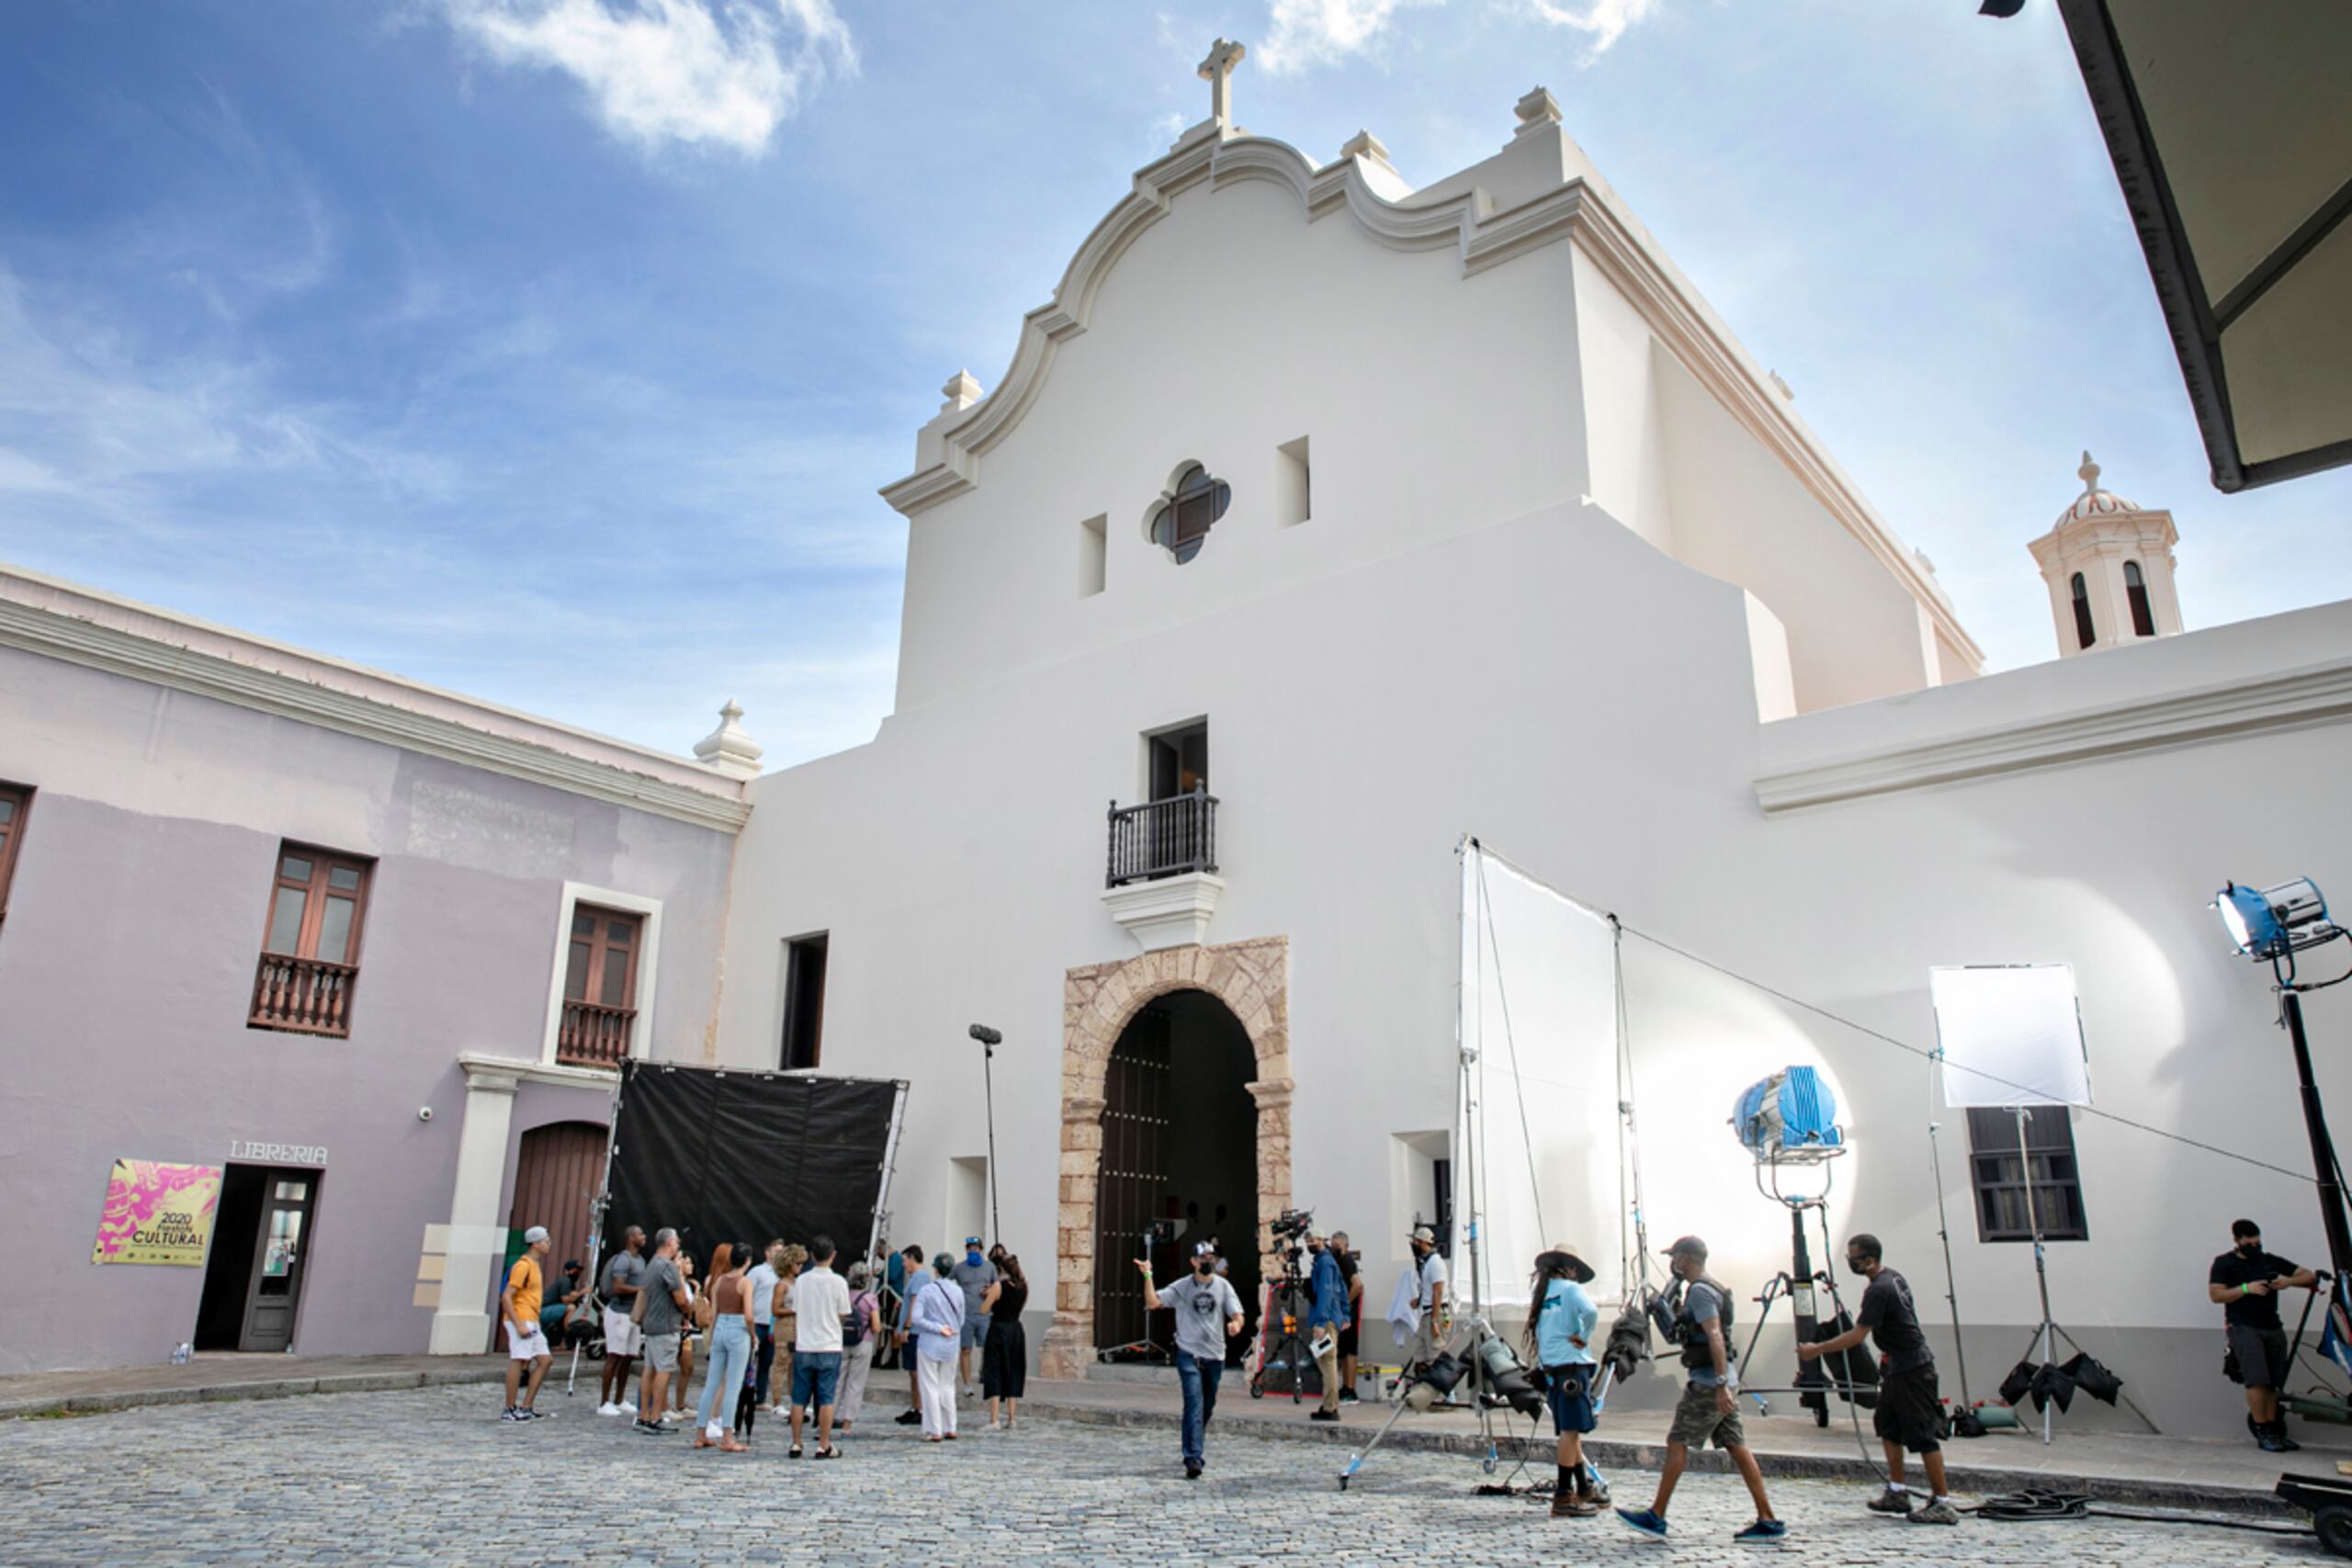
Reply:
x=518, y=1303
x=1429, y=1299
x=1697, y=1313
x=974, y=1274
x=1206, y=1312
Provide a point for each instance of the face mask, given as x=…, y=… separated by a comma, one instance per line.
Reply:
x=1857, y=1267
x=2251, y=1246
x=973, y=1256
x=1204, y=1265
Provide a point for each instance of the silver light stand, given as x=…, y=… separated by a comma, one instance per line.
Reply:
x=1468, y=1336
x=1943, y=1234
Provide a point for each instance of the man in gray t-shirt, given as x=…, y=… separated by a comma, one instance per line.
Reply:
x=1207, y=1312
x=624, y=1271
x=664, y=1290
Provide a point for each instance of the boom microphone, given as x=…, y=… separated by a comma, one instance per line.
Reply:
x=987, y=1036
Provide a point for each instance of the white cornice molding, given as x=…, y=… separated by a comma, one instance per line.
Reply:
x=163, y=662
x=2317, y=694
x=1484, y=238
x=496, y=1072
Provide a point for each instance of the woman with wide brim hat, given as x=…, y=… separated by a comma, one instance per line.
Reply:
x=1560, y=1322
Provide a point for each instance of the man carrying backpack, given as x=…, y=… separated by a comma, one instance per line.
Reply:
x=1697, y=1313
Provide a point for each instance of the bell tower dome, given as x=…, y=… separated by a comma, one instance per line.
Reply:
x=2109, y=564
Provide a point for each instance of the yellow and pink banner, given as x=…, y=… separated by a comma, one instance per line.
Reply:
x=157, y=1214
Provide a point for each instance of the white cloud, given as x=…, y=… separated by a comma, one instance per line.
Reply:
x=1604, y=21
x=704, y=72
x=1324, y=32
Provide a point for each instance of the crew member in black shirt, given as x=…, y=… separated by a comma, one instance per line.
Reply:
x=1910, y=1413
x=2246, y=1281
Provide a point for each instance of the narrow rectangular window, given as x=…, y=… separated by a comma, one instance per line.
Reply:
x=310, y=944
x=599, y=986
x=1093, y=540
x=1293, y=484
x=14, y=802
x=804, y=1001
x=1999, y=1171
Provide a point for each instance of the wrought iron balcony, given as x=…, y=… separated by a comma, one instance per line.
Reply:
x=1162, y=838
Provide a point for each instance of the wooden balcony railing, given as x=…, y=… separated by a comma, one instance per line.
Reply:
x=307, y=995
x=594, y=1036
x=1162, y=838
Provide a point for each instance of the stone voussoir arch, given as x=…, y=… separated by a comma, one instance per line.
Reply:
x=1099, y=1001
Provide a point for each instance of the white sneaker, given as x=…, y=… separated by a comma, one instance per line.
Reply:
x=609, y=1408
x=624, y=1408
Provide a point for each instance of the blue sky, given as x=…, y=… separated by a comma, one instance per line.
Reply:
x=552, y=350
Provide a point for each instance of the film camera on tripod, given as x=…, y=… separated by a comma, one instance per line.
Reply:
x=1285, y=1361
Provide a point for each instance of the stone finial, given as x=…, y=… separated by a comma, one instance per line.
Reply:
x=1217, y=72
x=1365, y=144
x=961, y=392
x=1538, y=110
x=2089, y=474
x=728, y=750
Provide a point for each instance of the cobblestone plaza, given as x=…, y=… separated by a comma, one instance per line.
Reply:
x=431, y=1477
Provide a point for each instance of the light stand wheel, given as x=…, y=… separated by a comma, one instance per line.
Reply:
x=2333, y=1528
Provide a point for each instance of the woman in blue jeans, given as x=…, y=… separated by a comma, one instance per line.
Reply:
x=730, y=1349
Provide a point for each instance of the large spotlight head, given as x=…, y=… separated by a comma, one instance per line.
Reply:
x=1789, y=1118
x=2274, y=922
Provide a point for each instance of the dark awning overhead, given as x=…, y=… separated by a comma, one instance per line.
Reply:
x=2231, y=126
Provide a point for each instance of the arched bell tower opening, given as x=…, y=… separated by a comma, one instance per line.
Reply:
x=1208, y=1004
x=1179, y=1163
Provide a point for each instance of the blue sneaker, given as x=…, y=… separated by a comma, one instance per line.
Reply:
x=1648, y=1520
x=1764, y=1530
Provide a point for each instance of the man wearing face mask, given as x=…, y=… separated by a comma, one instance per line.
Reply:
x=974, y=1273
x=2245, y=1283
x=1909, y=1416
x=1207, y=1312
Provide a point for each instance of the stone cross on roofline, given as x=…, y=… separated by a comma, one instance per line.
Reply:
x=1217, y=72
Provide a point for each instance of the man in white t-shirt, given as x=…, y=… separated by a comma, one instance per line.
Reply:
x=1429, y=1297
x=762, y=1282
x=820, y=1298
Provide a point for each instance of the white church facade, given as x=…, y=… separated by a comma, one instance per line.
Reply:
x=1319, y=522
x=1359, y=518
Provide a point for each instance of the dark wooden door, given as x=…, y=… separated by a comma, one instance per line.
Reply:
x=280, y=1248
x=1132, y=1190
x=557, y=1172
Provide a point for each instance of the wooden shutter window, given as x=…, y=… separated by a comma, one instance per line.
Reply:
x=599, y=987
x=15, y=801
x=310, y=944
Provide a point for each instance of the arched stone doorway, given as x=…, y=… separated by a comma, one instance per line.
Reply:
x=1183, y=1062
x=1251, y=980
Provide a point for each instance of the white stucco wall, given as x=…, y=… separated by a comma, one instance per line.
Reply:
x=1506, y=680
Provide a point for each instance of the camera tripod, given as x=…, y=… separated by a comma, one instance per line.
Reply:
x=1283, y=1336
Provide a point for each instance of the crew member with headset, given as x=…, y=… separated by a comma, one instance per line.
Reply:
x=1696, y=1313
x=1909, y=1413
x=2245, y=1283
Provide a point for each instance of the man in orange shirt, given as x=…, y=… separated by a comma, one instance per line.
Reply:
x=518, y=1304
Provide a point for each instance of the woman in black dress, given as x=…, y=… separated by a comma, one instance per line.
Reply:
x=1004, y=1355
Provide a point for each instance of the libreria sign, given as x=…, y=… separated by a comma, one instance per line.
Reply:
x=279, y=1153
